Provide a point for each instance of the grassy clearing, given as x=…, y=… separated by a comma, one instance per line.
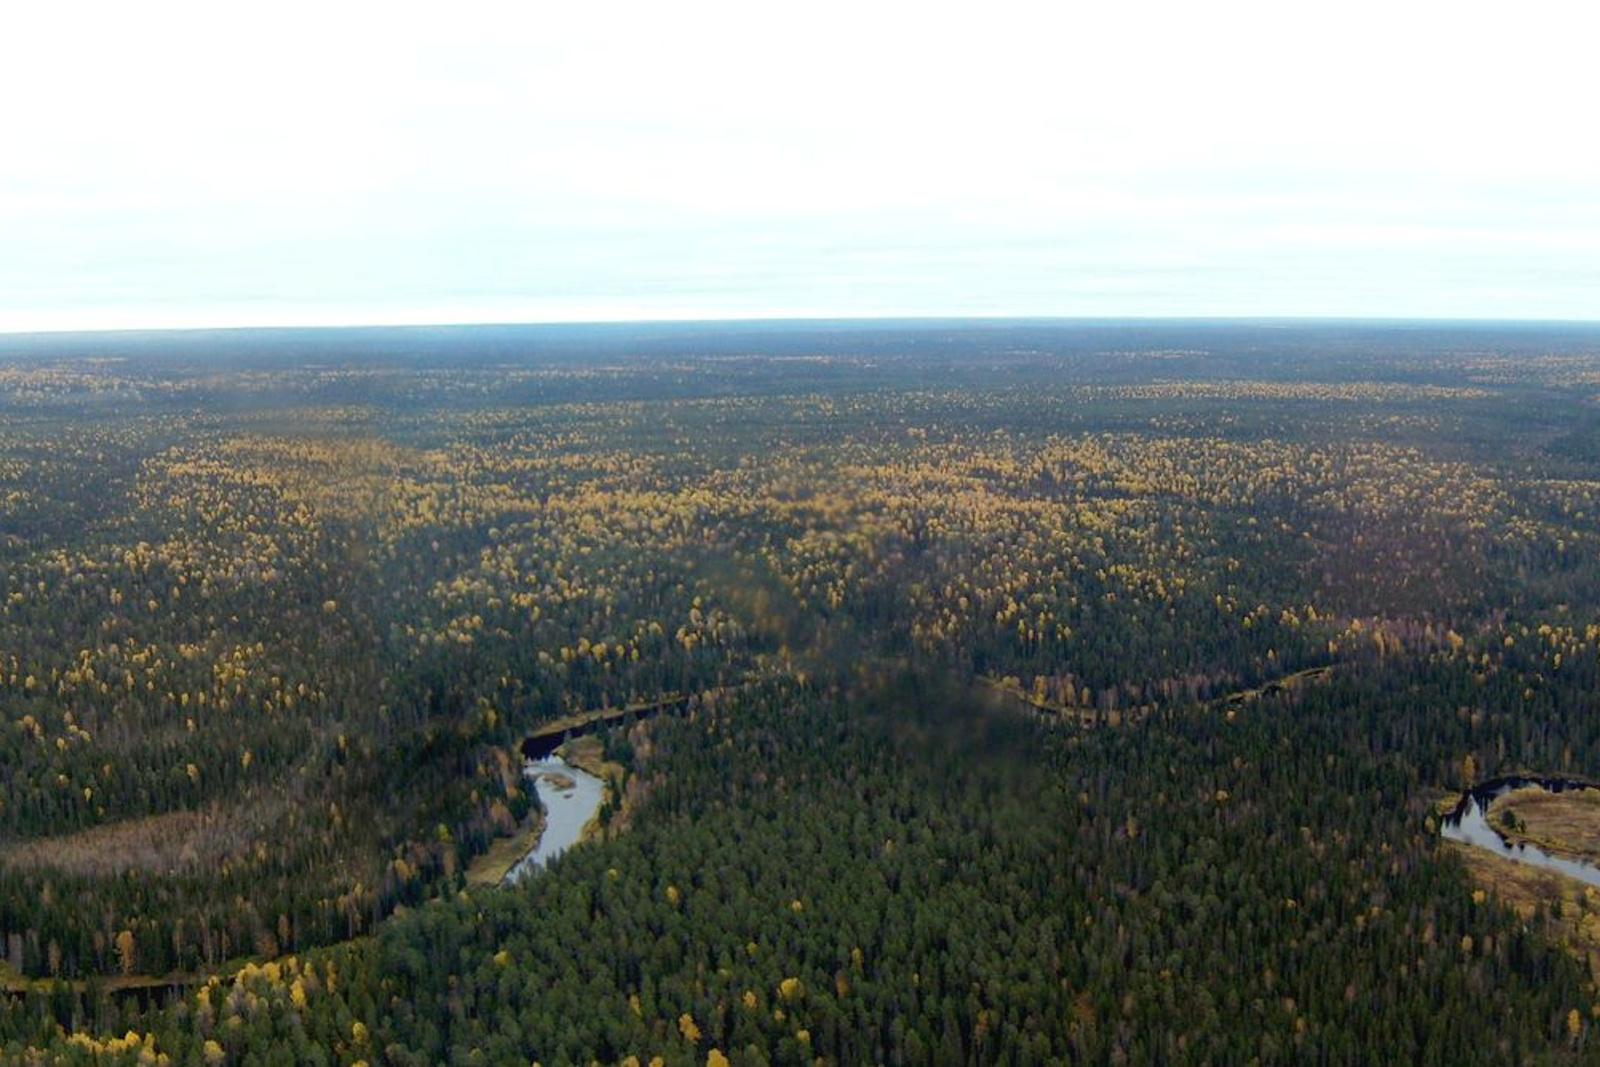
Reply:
x=159, y=844
x=1565, y=824
x=1567, y=910
x=588, y=754
x=491, y=867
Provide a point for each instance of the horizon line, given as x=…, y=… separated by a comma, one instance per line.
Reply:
x=450, y=322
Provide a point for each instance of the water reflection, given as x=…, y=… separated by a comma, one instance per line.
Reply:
x=1470, y=823
x=570, y=797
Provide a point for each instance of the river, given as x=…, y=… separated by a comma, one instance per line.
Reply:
x=1469, y=823
x=570, y=798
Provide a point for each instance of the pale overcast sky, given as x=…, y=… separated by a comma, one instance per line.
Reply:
x=213, y=163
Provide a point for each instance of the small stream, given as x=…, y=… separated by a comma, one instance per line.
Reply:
x=570, y=798
x=1469, y=822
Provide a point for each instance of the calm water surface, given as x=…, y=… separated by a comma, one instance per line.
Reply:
x=1470, y=823
x=566, y=809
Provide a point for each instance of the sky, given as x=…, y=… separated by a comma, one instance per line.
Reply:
x=208, y=164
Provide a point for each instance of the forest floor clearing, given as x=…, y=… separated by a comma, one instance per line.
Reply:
x=492, y=866
x=588, y=754
x=1565, y=824
x=177, y=840
x=1570, y=909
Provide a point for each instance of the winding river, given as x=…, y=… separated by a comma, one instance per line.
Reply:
x=570, y=798
x=1469, y=823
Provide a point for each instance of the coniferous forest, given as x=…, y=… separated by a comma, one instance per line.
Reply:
x=968, y=692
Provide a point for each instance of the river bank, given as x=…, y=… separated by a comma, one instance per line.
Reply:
x=570, y=797
x=1533, y=844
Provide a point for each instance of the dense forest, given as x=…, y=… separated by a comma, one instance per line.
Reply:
x=1036, y=693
